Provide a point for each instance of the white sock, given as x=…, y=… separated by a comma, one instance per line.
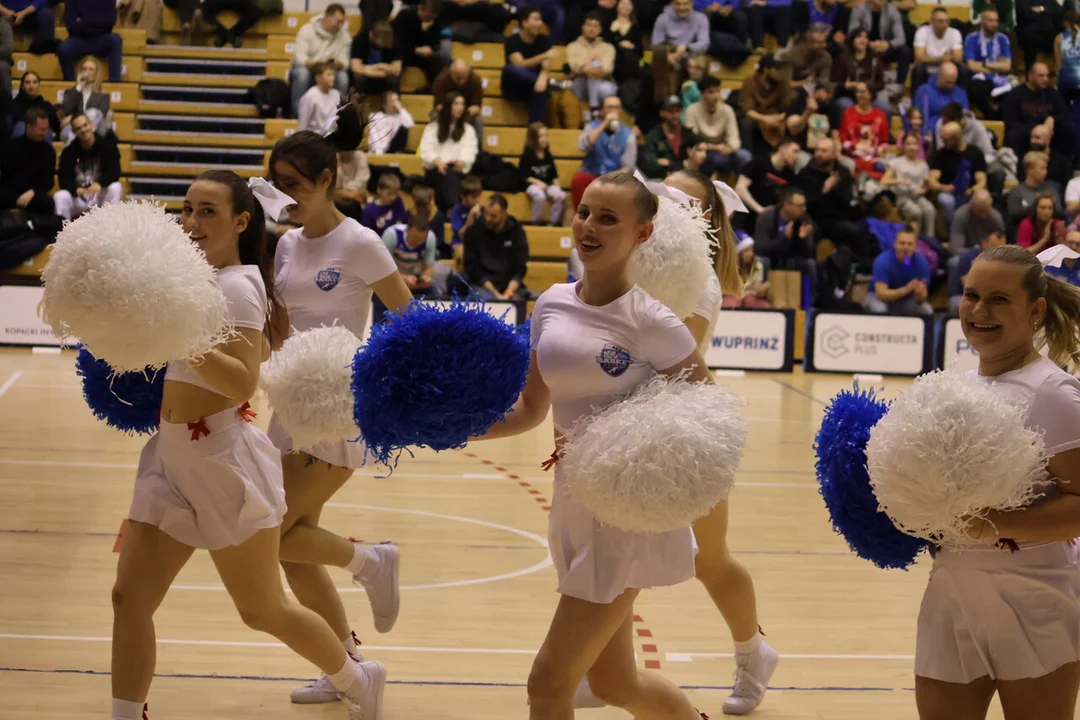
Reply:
x=349, y=644
x=749, y=646
x=359, y=559
x=346, y=677
x=126, y=710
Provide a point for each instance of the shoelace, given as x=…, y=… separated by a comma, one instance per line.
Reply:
x=745, y=684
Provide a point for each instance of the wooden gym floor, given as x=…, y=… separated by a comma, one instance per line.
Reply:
x=478, y=588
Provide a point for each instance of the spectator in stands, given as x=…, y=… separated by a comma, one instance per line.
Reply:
x=540, y=176
x=900, y=280
x=7, y=47
x=90, y=32
x=467, y=211
x=86, y=98
x=914, y=125
x=864, y=133
x=1040, y=229
x=772, y=14
x=388, y=208
x=459, y=78
x=752, y=274
x=697, y=159
x=1067, y=57
x=1035, y=103
x=729, y=29
x=679, y=31
x=906, y=176
x=860, y=63
x=936, y=43
x=419, y=36
x=388, y=131
x=28, y=97
x=89, y=171
x=412, y=245
x=815, y=116
x=973, y=222
x=625, y=35
x=976, y=136
x=784, y=233
x=485, y=21
x=760, y=183
x=608, y=146
x=809, y=58
x=1021, y=199
x=766, y=100
x=496, y=253
x=249, y=13
x=713, y=120
x=1059, y=169
x=1072, y=197
x=374, y=60
x=957, y=171
x=189, y=16
x=1037, y=24
x=320, y=103
x=324, y=39
x=1070, y=268
x=448, y=150
x=592, y=63
x=696, y=70
x=525, y=77
x=830, y=189
x=882, y=20
x=666, y=146
x=424, y=205
x=933, y=96
x=353, y=174
x=988, y=56
x=959, y=269
x=141, y=15
x=28, y=167
x=831, y=13
x=35, y=16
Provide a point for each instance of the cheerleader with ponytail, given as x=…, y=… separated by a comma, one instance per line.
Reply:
x=326, y=272
x=1005, y=616
x=210, y=479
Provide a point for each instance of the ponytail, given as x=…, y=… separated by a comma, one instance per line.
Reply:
x=725, y=257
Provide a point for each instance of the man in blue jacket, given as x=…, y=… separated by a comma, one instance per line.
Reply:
x=89, y=25
x=34, y=16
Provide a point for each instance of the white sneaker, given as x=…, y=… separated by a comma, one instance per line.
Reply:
x=380, y=579
x=366, y=702
x=318, y=692
x=752, y=674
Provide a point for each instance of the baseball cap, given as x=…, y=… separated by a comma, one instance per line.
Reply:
x=672, y=100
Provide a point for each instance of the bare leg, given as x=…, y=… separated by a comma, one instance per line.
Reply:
x=727, y=581
x=308, y=486
x=1050, y=697
x=937, y=700
x=149, y=562
x=313, y=588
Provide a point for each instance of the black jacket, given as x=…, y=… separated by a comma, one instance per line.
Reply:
x=81, y=167
x=26, y=165
x=496, y=257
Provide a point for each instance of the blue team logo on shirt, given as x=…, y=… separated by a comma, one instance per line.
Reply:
x=328, y=279
x=614, y=360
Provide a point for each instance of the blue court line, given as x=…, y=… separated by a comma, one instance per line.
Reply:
x=425, y=683
x=796, y=390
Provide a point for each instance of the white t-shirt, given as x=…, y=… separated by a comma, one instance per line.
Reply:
x=1072, y=191
x=317, y=108
x=938, y=47
x=245, y=293
x=912, y=175
x=328, y=279
x=708, y=307
x=590, y=356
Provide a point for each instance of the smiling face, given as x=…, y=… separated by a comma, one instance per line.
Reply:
x=861, y=41
x=310, y=197
x=608, y=227
x=997, y=315
x=208, y=218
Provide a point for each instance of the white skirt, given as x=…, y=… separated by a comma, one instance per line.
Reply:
x=1009, y=615
x=596, y=562
x=342, y=453
x=214, y=491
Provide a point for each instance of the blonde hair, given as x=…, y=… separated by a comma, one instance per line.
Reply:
x=725, y=257
x=1060, y=326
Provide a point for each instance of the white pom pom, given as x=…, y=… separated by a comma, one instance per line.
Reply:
x=658, y=460
x=128, y=282
x=673, y=264
x=308, y=382
x=949, y=449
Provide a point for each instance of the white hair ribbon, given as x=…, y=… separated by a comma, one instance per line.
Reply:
x=1054, y=256
x=732, y=202
x=665, y=191
x=273, y=201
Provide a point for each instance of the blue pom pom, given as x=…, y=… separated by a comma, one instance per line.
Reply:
x=129, y=402
x=844, y=482
x=435, y=377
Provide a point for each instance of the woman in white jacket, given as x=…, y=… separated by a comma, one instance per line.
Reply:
x=448, y=150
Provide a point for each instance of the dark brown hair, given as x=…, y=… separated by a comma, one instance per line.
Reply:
x=312, y=154
x=450, y=129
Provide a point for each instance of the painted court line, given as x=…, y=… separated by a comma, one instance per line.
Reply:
x=10, y=382
x=689, y=657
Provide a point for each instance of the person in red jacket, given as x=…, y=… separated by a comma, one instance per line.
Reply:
x=864, y=132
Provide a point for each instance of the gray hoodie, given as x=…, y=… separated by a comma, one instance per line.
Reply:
x=693, y=32
x=315, y=44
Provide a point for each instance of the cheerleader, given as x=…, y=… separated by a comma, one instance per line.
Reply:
x=326, y=272
x=728, y=583
x=210, y=479
x=594, y=341
x=1005, y=618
